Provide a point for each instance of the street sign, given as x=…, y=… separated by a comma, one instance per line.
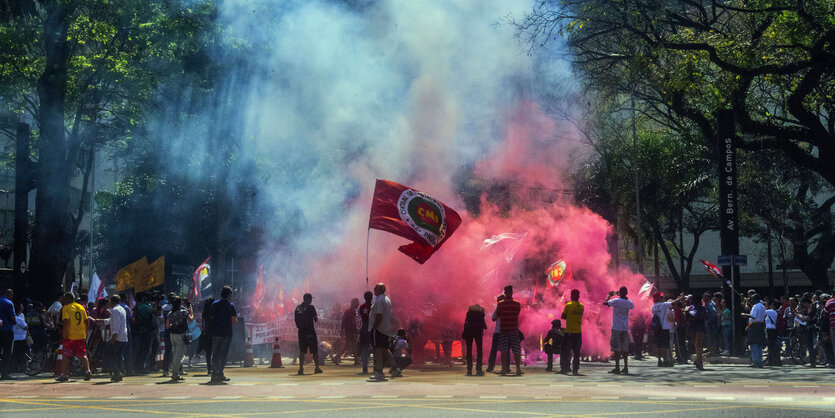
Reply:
x=732, y=259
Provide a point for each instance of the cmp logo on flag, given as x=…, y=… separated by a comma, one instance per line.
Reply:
x=424, y=214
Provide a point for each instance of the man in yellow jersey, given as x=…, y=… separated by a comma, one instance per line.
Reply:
x=573, y=315
x=74, y=337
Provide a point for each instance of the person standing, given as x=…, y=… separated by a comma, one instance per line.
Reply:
x=756, y=330
x=7, y=323
x=144, y=334
x=364, y=343
x=380, y=329
x=509, y=338
x=118, y=324
x=74, y=325
x=573, y=316
x=494, y=342
x=771, y=316
x=696, y=324
x=306, y=318
x=474, y=327
x=662, y=325
x=224, y=317
x=349, y=333
x=619, y=340
x=19, y=345
x=711, y=324
x=205, y=343
x=638, y=331
x=726, y=327
x=177, y=326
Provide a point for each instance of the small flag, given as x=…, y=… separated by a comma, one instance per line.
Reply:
x=513, y=242
x=646, y=290
x=414, y=215
x=557, y=272
x=716, y=272
x=97, y=286
x=199, y=276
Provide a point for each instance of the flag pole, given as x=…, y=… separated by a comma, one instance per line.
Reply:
x=367, y=239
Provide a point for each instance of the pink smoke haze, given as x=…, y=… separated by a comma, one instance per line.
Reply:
x=437, y=294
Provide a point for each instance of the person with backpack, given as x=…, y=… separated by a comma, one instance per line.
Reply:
x=553, y=343
x=306, y=318
x=177, y=327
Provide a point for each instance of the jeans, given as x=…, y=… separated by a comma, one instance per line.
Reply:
x=178, y=348
x=726, y=337
x=220, y=350
x=681, y=346
x=638, y=343
x=364, y=348
x=757, y=355
x=6, y=343
x=479, y=352
x=494, y=349
x=698, y=344
x=571, y=345
x=115, y=357
x=808, y=336
x=18, y=355
x=143, y=352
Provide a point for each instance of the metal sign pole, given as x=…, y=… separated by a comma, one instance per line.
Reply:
x=733, y=310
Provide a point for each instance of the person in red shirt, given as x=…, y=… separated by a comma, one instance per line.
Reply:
x=509, y=338
x=349, y=333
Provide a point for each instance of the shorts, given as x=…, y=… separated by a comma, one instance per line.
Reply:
x=309, y=343
x=662, y=339
x=509, y=340
x=378, y=339
x=73, y=348
x=619, y=341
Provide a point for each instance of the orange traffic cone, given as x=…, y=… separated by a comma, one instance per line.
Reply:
x=58, y=360
x=249, y=359
x=276, y=361
x=160, y=354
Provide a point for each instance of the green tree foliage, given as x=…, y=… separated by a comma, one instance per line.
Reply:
x=83, y=71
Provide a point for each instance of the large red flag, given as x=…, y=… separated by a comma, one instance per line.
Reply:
x=414, y=215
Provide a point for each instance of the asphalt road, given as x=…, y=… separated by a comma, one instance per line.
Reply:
x=721, y=390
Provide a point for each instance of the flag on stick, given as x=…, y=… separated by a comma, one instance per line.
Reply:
x=557, y=272
x=199, y=276
x=154, y=277
x=413, y=215
x=716, y=272
x=133, y=273
x=97, y=287
x=646, y=290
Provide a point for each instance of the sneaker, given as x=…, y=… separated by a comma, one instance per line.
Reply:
x=519, y=372
x=117, y=378
x=479, y=373
x=575, y=373
x=301, y=372
x=378, y=376
x=62, y=378
x=614, y=371
x=562, y=372
x=489, y=370
x=624, y=371
x=395, y=372
x=469, y=372
x=165, y=373
x=660, y=363
x=317, y=371
x=88, y=376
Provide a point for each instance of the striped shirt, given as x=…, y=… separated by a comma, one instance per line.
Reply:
x=508, y=313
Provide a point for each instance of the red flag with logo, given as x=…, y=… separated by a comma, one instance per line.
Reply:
x=413, y=215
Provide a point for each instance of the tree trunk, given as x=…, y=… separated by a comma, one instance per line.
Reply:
x=52, y=238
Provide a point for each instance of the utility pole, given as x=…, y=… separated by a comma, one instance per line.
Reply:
x=92, y=206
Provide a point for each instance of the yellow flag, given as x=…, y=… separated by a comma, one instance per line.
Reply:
x=155, y=276
x=129, y=275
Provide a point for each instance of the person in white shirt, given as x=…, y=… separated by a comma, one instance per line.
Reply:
x=402, y=351
x=379, y=324
x=619, y=341
x=771, y=333
x=756, y=331
x=19, y=346
x=663, y=311
x=118, y=338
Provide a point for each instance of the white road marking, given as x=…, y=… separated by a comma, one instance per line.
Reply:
x=227, y=397
x=24, y=396
x=176, y=397
x=332, y=383
x=779, y=399
x=332, y=397
x=755, y=386
x=610, y=398
x=123, y=397
x=806, y=386
x=662, y=398
x=384, y=396
x=74, y=397
x=492, y=397
x=286, y=384
x=705, y=386
x=547, y=397
x=720, y=398
x=439, y=396
x=281, y=397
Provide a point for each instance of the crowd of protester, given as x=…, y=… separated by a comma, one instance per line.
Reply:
x=113, y=337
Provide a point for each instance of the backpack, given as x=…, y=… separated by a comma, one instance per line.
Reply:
x=655, y=325
x=179, y=323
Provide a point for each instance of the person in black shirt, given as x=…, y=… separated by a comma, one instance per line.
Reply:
x=474, y=327
x=306, y=318
x=224, y=316
x=553, y=343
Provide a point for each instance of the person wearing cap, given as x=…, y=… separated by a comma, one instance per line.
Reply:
x=306, y=318
x=756, y=331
